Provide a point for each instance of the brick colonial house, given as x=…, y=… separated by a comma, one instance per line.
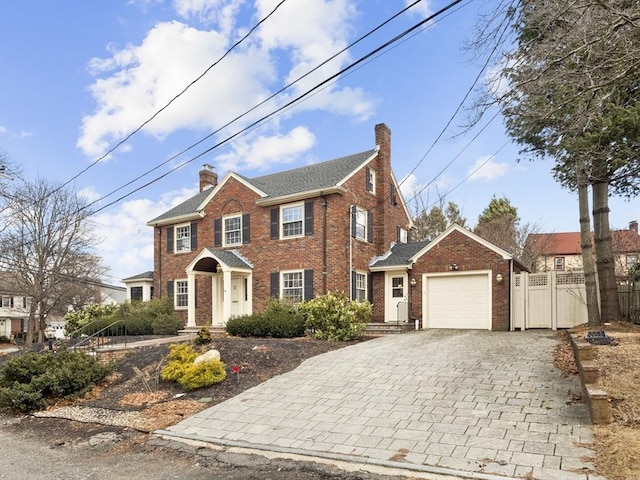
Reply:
x=336, y=225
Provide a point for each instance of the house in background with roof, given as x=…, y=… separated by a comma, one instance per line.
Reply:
x=562, y=252
x=139, y=287
x=337, y=225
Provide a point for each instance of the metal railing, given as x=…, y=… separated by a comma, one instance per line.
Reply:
x=104, y=336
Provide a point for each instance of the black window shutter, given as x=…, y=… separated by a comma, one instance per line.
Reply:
x=353, y=284
x=370, y=287
x=246, y=228
x=370, y=226
x=275, y=223
x=275, y=284
x=308, y=285
x=170, y=239
x=353, y=220
x=169, y=288
x=308, y=218
x=194, y=236
x=217, y=232
x=394, y=198
x=409, y=236
x=398, y=230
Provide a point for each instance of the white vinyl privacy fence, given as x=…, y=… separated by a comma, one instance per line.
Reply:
x=548, y=300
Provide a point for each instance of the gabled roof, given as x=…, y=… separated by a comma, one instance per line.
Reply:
x=298, y=181
x=568, y=243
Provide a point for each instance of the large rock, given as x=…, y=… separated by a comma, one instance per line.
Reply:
x=208, y=356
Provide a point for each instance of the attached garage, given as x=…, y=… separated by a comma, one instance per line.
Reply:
x=457, y=300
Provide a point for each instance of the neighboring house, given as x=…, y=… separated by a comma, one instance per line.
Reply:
x=562, y=252
x=14, y=307
x=336, y=225
x=110, y=294
x=139, y=287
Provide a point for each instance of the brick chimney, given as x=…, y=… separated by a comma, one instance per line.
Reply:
x=383, y=236
x=633, y=225
x=208, y=177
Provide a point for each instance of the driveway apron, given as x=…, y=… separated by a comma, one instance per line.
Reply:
x=475, y=404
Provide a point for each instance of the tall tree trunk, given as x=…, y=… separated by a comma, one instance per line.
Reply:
x=593, y=309
x=31, y=323
x=605, y=262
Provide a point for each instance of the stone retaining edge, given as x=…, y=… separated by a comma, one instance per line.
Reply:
x=596, y=398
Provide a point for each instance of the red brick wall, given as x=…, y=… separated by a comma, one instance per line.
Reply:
x=468, y=255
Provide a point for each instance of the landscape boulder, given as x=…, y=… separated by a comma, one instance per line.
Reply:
x=208, y=356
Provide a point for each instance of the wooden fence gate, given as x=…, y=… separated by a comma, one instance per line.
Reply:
x=548, y=300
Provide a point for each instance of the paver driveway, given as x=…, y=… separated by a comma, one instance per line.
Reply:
x=467, y=403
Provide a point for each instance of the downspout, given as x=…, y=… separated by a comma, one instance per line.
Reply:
x=324, y=243
x=159, y=262
x=511, y=273
x=351, y=207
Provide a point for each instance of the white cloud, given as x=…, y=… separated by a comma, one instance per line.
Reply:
x=486, y=168
x=422, y=9
x=89, y=194
x=263, y=151
x=136, y=81
x=3, y=129
x=127, y=241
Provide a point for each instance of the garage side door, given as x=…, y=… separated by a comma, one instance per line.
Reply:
x=459, y=300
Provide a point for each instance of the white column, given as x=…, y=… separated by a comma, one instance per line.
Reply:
x=214, y=299
x=250, y=294
x=226, y=301
x=191, y=294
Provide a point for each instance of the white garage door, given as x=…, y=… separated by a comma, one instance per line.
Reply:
x=460, y=300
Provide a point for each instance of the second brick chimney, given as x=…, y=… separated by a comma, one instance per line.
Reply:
x=208, y=177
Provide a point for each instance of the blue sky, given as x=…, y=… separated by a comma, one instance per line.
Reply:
x=77, y=76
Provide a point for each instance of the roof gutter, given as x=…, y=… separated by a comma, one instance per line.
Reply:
x=178, y=219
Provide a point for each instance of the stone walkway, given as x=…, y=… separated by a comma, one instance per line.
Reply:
x=470, y=404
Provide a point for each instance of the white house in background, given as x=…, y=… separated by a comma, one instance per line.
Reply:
x=139, y=287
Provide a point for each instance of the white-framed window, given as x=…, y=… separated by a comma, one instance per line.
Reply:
x=292, y=218
x=361, y=287
x=232, y=230
x=558, y=263
x=403, y=235
x=293, y=286
x=136, y=294
x=631, y=261
x=361, y=223
x=183, y=238
x=181, y=294
x=371, y=180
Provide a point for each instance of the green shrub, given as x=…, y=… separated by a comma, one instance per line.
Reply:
x=4, y=339
x=166, y=324
x=203, y=337
x=280, y=319
x=37, y=380
x=180, y=357
x=335, y=317
x=203, y=374
x=180, y=368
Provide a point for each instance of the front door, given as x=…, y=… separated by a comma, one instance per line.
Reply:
x=237, y=295
x=396, y=297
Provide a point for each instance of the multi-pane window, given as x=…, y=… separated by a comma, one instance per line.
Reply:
x=403, y=236
x=292, y=218
x=183, y=238
x=292, y=286
x=559, y=263
x=233, y=230
x=361, y=287
x=631, y=260
x=181, y=293
x=136, y=294
x=397, y=287
x=6, y=302
x=361, y=223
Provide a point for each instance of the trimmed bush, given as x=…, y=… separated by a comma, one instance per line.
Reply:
x=280, y=319
x=203, y=374
x=36, y=380
x=335, y=317
x=203, y=337
x=166, y=324
x=180, y=368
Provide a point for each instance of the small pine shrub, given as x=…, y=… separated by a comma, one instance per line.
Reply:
x=36, y=380
x=335, y=317
x=203, y=337
x=180, y=357
x=203, y=374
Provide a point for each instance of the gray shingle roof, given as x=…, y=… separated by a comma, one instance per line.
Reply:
x=400, y=255
x=298, y=180
x=311, y=177
x=140, y=276
x=232, y=258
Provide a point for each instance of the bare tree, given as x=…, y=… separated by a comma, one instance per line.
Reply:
x=429, y=223
x=49, y=249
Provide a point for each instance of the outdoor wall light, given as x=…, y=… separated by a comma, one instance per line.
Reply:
x=219, y=268
x=453, y=266
x=499, y=278
x=413, y=281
